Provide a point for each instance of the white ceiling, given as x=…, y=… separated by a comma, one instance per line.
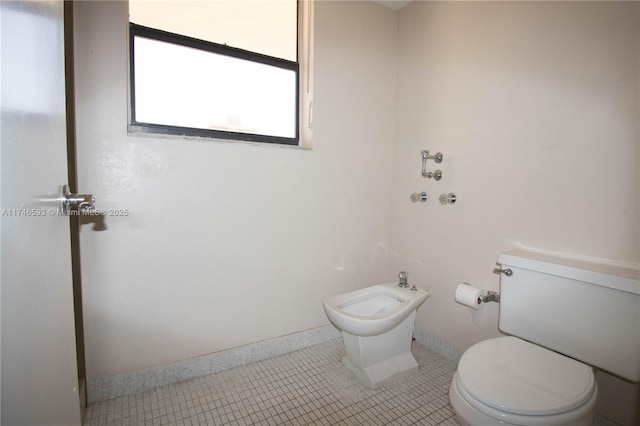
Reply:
x=393, y=4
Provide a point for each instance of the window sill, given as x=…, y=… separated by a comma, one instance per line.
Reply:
x=137, y=131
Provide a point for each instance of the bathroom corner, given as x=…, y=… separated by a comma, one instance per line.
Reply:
x=529, y=104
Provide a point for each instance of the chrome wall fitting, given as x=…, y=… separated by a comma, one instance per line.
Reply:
x=437, y=158
x=449, y=198
x=415, y=197
x=437, y=175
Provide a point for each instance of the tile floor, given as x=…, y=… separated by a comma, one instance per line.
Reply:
x=306, y=387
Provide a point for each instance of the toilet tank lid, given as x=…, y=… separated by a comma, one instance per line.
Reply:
x=595, y=272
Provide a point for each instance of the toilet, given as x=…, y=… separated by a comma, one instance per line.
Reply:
x=562, y=317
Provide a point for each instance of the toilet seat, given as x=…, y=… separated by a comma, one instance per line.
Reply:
x=515, y=381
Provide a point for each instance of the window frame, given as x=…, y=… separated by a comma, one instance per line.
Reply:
x=136, y=30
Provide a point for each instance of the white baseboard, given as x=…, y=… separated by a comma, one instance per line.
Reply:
x=127, y=384
x=130, y=383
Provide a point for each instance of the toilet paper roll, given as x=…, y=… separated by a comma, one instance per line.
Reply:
x=469, y=296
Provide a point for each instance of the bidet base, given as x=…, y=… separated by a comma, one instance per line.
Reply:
x=385, y=372
x=382, y=359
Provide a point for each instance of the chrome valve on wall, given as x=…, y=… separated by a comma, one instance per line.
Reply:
x=415, y=197
x=449, y=198
x=436, y=175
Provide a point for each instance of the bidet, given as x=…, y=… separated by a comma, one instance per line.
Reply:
x=377, y=329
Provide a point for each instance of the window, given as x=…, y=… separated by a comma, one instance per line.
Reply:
x=220, y=69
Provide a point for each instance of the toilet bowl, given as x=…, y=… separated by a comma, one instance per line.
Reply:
x=508, y=381
x=558, y=315
x=377, y=328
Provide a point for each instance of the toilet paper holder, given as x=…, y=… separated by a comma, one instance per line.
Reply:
x=491, y=296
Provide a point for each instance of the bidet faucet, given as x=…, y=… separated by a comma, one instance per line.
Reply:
x=402, y=276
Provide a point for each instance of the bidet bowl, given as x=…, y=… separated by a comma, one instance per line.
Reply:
x=373, y=310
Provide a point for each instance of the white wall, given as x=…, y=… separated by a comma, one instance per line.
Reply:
x=535, y=106
x=230, y=243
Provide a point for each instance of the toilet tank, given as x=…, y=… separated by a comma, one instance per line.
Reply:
x=588, y=311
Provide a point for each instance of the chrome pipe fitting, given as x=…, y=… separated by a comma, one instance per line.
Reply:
x=436, y=175
x=437, y=158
